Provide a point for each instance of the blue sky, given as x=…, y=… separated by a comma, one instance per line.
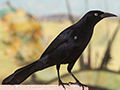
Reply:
x=49, y=7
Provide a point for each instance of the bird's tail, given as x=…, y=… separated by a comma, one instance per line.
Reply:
x=23, y=73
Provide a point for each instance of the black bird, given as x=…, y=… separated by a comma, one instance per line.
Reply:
x=64, y=49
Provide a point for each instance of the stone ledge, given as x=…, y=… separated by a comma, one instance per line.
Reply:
x=40, y=87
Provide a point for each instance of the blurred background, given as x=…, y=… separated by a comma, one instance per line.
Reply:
x=28, y=26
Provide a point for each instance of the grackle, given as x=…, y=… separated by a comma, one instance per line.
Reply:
x=64, y=49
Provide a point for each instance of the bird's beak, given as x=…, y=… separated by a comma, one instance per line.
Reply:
x=108, y=15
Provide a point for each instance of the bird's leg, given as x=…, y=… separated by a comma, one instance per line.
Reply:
x=59, y=80
x=77, y=81
x=70, y=66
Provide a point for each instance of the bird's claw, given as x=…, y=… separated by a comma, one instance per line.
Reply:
x=78, y=83
x=61, y=83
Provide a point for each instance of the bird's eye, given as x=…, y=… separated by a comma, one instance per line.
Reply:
x=96, y=14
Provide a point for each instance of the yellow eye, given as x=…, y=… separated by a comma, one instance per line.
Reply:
x=96, y=14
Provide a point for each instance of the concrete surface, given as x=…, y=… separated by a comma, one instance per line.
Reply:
x=40, y=87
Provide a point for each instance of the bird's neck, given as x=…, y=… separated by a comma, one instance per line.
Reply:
x=83, y=24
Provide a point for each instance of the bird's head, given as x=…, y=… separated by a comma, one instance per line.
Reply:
x=93, y=17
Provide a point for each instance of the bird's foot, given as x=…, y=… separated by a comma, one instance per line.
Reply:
x=78, y=83
x=61, y=83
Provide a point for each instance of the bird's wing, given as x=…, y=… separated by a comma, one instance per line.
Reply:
x=60, y=39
